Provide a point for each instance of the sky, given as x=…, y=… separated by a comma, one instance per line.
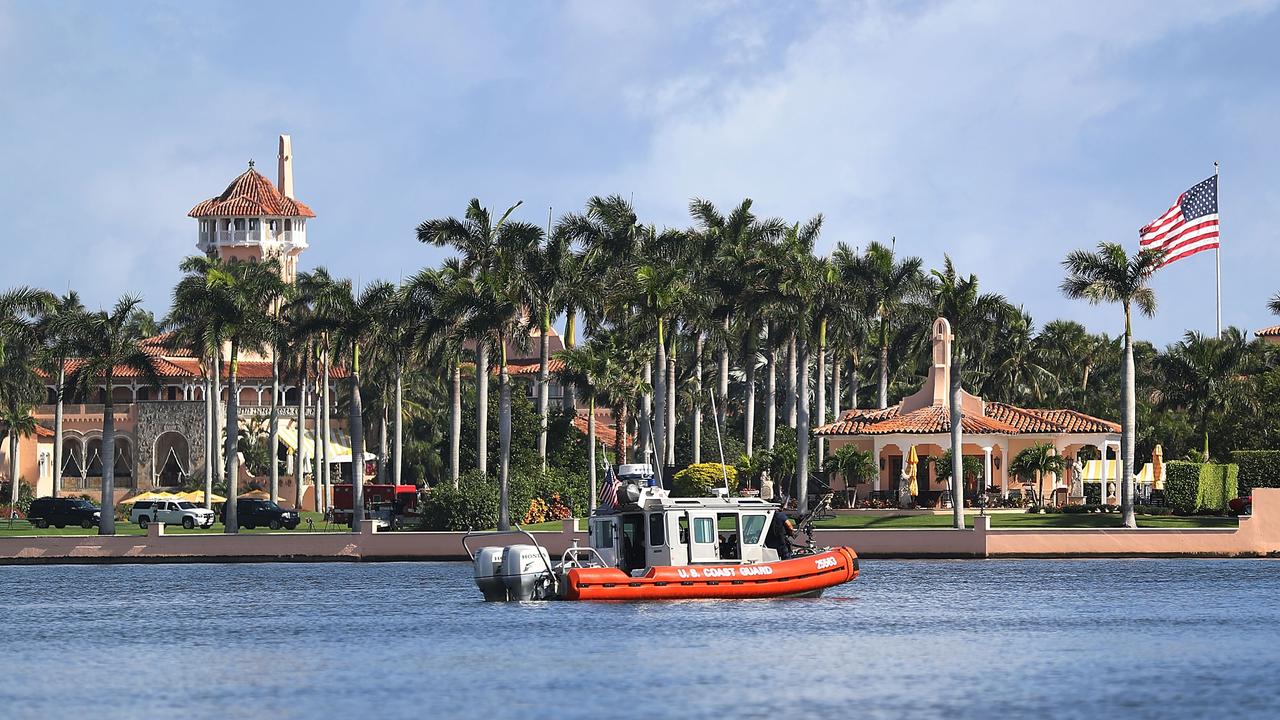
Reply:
x=1004, y=134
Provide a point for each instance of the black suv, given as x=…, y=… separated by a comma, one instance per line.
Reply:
x=61, y=512
x=252, y=513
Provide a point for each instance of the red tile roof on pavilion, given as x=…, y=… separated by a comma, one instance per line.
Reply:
x=1273, y=331
x=250, y=195
x=554, y=365
x=605, y=433
x=998, y=419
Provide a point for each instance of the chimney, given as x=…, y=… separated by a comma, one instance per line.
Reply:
x=285, y=184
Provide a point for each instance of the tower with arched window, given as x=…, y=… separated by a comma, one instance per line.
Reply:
x=253, y=219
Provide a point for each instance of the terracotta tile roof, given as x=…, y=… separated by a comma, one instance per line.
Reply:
x=998, y=419
x=605, y=432
x=43, y=432
x=554, y=365
x=163, y=344
x=250, y=195
x=1273, y=331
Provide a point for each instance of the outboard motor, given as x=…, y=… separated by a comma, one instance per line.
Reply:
x=526, y=573
x=488, y=569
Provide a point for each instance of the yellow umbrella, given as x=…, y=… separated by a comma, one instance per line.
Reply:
x=258, y=495
x=1157, y=468
x=912, y=461
x=149, y=496
x=197, y=496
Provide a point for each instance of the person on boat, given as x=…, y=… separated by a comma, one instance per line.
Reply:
x=779, y=531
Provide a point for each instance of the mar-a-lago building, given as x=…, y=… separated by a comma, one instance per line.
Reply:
x=160, y=431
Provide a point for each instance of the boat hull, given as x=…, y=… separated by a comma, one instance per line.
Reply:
x=803, y=576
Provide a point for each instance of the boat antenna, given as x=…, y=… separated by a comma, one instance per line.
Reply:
x=649, y=451
x=715, y=419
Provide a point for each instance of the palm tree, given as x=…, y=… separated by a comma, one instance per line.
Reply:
x=241, y=298
x=969, y=312
x=20, y=389
x=479, y=242
x=57, y=327
x=1036, y=462
x=1018, y=373
x=1205, y=377
x=854, y=465
x=887, y=285
x=1110, y=275
x=1274, y=305
x=586, y=370
x=108, y=346
x=353, y=320
x=194, y=325
x=541, y=280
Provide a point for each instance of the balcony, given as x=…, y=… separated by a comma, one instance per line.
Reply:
x=246, y=238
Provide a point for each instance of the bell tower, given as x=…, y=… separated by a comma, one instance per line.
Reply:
x=252, y=219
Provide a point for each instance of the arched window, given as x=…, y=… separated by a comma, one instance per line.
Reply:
x=172, y=459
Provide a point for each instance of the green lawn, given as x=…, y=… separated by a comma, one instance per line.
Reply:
x=20, y=528
x=871, y=521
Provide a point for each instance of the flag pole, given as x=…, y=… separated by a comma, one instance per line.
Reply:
x=1217, y=251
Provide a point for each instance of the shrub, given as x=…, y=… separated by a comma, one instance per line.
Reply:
x=25, y=496
x=1193, y=487
x=699, y=479
x=1258, y=468
x=473, y=505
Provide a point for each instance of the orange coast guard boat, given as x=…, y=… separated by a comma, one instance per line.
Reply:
x=651, y=546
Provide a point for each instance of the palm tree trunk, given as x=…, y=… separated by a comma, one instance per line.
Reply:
x=1130, y=520
x=219, y=417
x=643, y=418
x=233, y=440
x=107, y=520
x=822, y=388
x=210, y=434
x=326, y=466
x=1084, y=380
x=802, y=429
x=482, y=406
x=722, y=403
x=836, y=367
x=317, y=451
x=771, y=398
x=544, y=390
x=749, y=407
x=455, y=422
x=854, y=378
x=671, y=402
x=660, y=400
x=591, y=457
x=13, y=468
x=273, y=433
x=790, y=401
x=504, y=442
x=57, y=432
x=298, y=468
x=398, y=468
x=698, y=346
x=569, y=401
x=357, y=444
x=957, y=445
x=620, y=437
x=382, y=445
x=884, y=371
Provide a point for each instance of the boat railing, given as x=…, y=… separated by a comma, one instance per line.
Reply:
x=515, y=530
x=572, y=557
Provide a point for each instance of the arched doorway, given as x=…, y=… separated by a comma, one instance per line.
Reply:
x=172, y=459
x=72, y=460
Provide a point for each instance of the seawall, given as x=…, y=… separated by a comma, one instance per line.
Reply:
x=1256, y=536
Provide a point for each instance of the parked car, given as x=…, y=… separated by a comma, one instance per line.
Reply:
x=171, y=512
x=61, y=512
x=252, y=513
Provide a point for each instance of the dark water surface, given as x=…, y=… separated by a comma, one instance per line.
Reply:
x=957, y=639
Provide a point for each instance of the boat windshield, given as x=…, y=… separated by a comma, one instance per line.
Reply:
x=752, y=528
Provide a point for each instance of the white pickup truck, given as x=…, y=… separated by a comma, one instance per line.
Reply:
x=171, y=512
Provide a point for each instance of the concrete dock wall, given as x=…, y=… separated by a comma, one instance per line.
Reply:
x=1258, y=535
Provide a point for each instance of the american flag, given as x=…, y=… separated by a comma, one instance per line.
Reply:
x=609, y=490
x=1188, y=227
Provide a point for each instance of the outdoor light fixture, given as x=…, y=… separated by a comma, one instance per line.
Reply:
x=997, y=461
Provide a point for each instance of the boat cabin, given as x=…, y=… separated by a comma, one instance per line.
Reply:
x=648, y=528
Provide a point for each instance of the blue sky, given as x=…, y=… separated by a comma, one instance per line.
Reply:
x=1003, y=133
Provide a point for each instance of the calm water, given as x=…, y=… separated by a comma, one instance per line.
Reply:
x=956, y=639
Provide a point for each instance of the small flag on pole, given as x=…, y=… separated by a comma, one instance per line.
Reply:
x=1188, y=227
x=609, y=490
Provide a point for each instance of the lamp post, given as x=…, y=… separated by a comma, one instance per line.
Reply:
x=986, y=468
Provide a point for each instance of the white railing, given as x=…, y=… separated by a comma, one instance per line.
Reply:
x=249, y=237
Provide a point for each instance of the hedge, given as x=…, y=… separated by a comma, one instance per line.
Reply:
x=1258, y=468
x=1190, y=487
x=699, y=479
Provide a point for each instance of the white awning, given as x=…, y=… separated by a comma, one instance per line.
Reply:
x=339, y=446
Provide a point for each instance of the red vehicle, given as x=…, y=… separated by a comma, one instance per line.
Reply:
x=394, y=506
